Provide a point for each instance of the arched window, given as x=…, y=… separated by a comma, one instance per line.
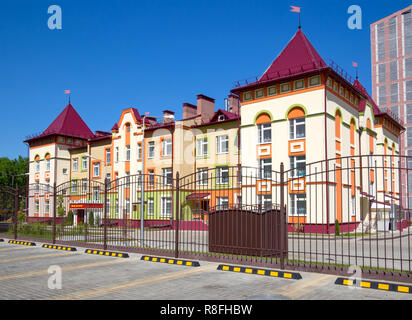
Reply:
x=297, y=125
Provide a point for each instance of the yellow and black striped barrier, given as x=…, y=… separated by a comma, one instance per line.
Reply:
x=52, y=246
x=262, y=272
x=24, y=243
x=107, y=253
x=171, y=261
x=384, y=286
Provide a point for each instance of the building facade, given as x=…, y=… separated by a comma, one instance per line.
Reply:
x=391, y=49
x=300, y=111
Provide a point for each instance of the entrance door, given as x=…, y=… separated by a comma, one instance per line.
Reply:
x=80, y=216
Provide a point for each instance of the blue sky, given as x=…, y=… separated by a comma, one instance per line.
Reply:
x=155, y=55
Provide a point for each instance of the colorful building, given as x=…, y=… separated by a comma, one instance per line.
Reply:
x=300, y=111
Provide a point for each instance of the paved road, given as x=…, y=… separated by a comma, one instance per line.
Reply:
x=24, y=275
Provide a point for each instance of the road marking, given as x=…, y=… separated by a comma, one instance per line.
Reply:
x=304, y=286
x=37, y=257
x=110, y=289
x=82, y=266
x=16, y=248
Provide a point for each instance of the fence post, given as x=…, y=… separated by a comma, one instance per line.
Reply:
x=16, y=203
x=105, y=216
x=283, y=225
x=177, y=216
x=54, y=212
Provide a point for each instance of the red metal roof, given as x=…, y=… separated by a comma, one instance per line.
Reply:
x=68, y=123
x=298, y=56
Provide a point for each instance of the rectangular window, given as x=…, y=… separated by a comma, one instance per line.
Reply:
x=128, y=201
x=408, y=68
x=265, y=168
x=117, y=154
x=167, y=147
x=222, y=175
x=75, y=166
x=167, y=176
x=392, y=36
x=381, y=72
x=393, y=70
x=84, y=185
x=380, y=50
x=409, y=113
x=127, y=153
x=96, y=194
x=166, y=207
x=272, y=91
x=151, y=177
x=299, y=84
x=284, y=87
x=139, y=151
x=47, y=164
x=151, y=149
x=108, y=156
x=247, y=96
x=37, y=166
x=84, y=163
x=202, y=147
x=298, y=166
x=222, y=203
x=116, y=206
x=222, y=144
x=297, y=128
x=150, y=206
x=259, y=93
x=127, y=180
x=297, y=204
x=353, y=206
x=265, y=202
x=202, y=176
x=74, y=186
x=315, y=81
x=264, y=133
x=382, y=95
x=394, y=93
x=407, y=32
x=96, y=169
x=46, y=207
x=408, y=90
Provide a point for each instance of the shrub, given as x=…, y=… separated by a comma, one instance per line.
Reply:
x=98, y=221
x=91, y=218
x=337, y=228
x=70, y=218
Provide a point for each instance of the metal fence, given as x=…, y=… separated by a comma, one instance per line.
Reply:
x=327, y=216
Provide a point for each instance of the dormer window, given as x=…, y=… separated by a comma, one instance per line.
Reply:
x=259, y=93
x=247, y=96
x=221, y=118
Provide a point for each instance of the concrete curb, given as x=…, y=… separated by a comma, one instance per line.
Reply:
x=107, y=253
x=25, y=243
x=171, y=261
x=377, y=285
x=57, y=247
x=260, y=271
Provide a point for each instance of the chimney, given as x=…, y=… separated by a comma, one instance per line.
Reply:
x=205, y=107
x=189, y=110
x=234, y=104
x=168, y=116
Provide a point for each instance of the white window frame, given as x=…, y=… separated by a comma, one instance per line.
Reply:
x=265, y=201
x=293, y=125
x=150, y=206
x=108, y=156
x=222, y=144
x=96, y=165
x=262, y=128
x=48, y=164
x=75, y=186
x=139, y=151
x=222, y=203
x=84, y=163
x=75, y=165
x=294, y=199
x=167, y=176
x=96, y=194
x=220, y=177
x=202, y=176
x=127, y=153
x=167, y=147
x=164, y=203
x=84, y=185
x=117, y=154
x=295, y=162
x=264, y=172
x=202, y=147
x=151, y=150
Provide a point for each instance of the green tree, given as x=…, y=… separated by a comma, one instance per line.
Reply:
x=60, y=207
x=91, y=218
x=70, y=218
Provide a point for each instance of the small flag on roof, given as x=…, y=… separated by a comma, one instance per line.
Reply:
x=355, y=64
x=295, y=9
x=66, y=91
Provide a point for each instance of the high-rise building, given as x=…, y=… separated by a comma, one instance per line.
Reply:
x=391, y=48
